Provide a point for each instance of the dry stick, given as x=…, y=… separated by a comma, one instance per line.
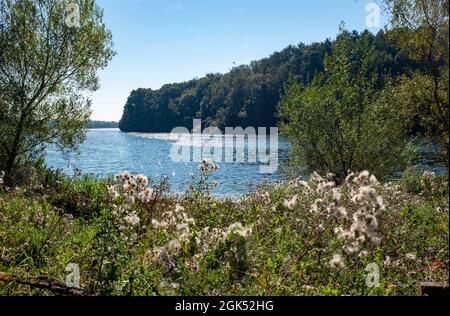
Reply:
x=44, y=283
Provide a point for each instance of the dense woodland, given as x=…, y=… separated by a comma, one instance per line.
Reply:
x=102, y=124
x=248, y=95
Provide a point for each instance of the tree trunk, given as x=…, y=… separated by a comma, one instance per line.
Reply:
x=9, y=169
x=13, y=153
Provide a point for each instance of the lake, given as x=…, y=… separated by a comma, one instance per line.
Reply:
x=109, y=151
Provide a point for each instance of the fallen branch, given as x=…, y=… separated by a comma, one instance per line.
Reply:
x=44, y=283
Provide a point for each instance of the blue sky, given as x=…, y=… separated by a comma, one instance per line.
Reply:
x=166, y=41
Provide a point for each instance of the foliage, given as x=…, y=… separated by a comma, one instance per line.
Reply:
x=45, y=67
x=309, y=237
x=245, y=96
x=102, y=124
x=342, y=121
x=420, y=29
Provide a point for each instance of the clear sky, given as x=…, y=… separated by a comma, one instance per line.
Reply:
x=166, y=41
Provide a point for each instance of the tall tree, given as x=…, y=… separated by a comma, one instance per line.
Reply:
x=420, y=28
x=341, y=122
x=50, y=52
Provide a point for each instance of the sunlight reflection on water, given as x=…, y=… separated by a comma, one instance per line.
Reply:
x=107, y=152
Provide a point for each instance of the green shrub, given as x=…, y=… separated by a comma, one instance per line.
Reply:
x=342, y=121
x=303, y=238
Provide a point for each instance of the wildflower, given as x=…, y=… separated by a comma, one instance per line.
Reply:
x=373, y=180
x=175, y=286
x=361, y=239
x=145, y=195
x=242, y=231
x=317, y=206
x=363, y=254
x=160, y=256
x=159, y=224
x=297, y=183
x=291, y=203
x=364, y=224
x=179, y=208
x=336, y=211
x=264, y=198
x=375, y=240
x=429, y=176
x=341, y=213
x=351, y=249
x=371, y=223
x=132, y=219
x=350, y=178
x=364, y=176
x=182, y=228
x=142, y=181
x=326, y=186
x=204, y=165
x=173, y=246
x=315, y=177
x=337, y=195
x=339, y=232
x=113, y=192
x=129, y=201
x=235, y=226
x=337, y=262
x=294, y=183
x=379, y=206
x=124, y=176
x=364, y=194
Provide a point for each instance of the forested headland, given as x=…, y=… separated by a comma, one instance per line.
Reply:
x=102, y=124
x=248, y=95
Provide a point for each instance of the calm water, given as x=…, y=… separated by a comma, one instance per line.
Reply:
x=108, y=152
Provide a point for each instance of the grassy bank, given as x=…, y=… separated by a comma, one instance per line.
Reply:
x=130, y=237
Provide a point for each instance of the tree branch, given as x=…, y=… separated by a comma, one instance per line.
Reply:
x=44, y=283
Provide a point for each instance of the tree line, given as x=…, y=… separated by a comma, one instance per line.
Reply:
x=249, y=94
x=102, y=124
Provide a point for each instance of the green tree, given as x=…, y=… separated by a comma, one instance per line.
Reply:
x=48, y=64
x=420, y=28
x=342, y=122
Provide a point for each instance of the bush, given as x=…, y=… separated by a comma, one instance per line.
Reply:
x=312, y=237
x=426, y=183
x=342, y=121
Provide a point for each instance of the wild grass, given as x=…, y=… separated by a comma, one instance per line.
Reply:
x=128, y=236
